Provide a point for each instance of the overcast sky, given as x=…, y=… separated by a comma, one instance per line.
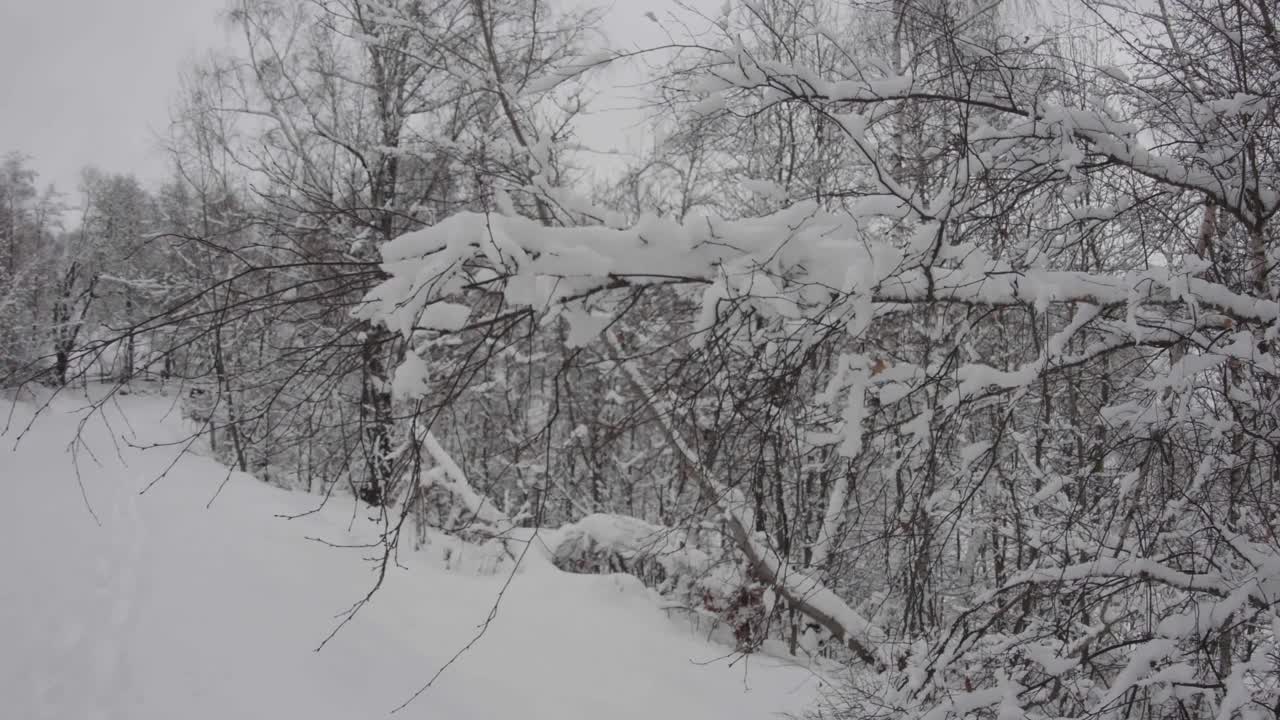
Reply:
x=89, y=82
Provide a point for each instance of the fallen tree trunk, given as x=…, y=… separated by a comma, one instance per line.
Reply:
x=804, y=591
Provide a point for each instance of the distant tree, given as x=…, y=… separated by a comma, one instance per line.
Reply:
x=109, y=266
x=30, y=220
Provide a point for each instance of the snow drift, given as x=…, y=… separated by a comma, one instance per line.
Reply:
x=197, y=600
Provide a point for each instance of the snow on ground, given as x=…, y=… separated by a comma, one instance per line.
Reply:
x=168, y=609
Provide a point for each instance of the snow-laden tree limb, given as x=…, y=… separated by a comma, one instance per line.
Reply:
x=796, y=261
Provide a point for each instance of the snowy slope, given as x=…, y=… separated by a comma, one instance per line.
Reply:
x=171, y=610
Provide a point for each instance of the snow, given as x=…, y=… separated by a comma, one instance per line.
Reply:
x=445, y=316
x=412, y=378
x=585, y=327
x=169, y=608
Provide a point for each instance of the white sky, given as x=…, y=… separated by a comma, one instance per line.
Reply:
x=89, y=82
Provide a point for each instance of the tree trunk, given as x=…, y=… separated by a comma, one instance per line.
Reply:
x=62, y=359
x=127, y=370
x=375, y=416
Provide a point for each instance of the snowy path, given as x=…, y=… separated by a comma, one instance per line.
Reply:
x=171, y=610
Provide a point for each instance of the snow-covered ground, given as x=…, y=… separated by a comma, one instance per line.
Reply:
x=170, y=609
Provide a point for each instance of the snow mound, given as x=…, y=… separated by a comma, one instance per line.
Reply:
x=170, y=606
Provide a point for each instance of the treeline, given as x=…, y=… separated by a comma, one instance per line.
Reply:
x=66, y=285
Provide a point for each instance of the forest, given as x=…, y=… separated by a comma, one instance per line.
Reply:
x=935, y=341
